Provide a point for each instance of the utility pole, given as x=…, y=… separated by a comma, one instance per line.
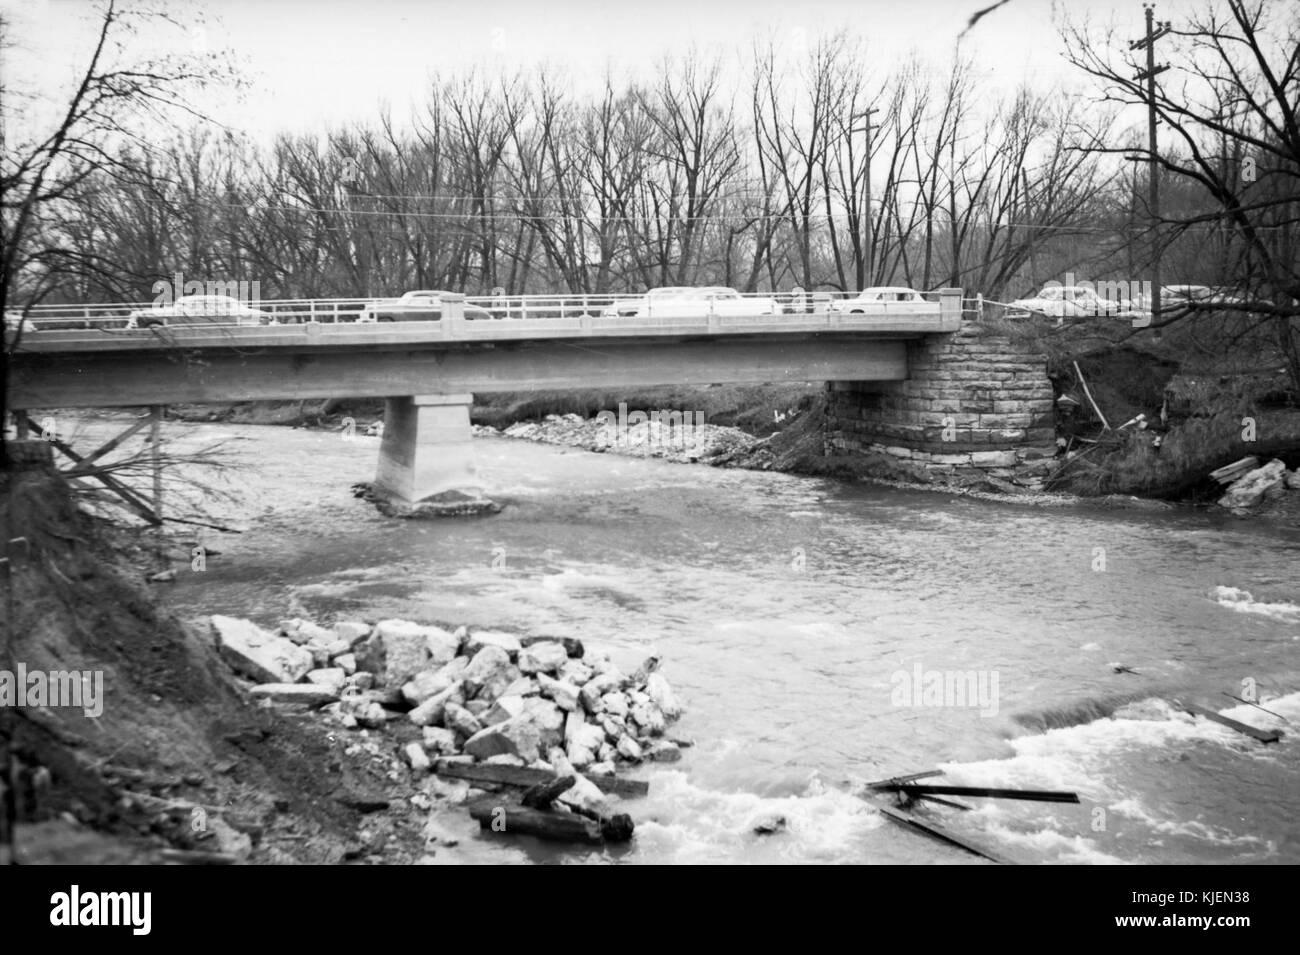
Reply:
x=1149, y=74
x=867, y=263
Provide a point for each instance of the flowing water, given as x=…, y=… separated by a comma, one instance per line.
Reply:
x=793, y=614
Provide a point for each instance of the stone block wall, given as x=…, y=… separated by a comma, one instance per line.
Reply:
x=970, y=399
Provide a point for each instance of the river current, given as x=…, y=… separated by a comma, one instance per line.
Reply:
x=808, y=627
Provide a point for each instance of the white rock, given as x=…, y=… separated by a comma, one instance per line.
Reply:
x=308, y=693
x=315, y=633
x=516, y=737
x=584, y=794
x=615, y=704
x=601, y=769
x=320, y=654
x=479, y=639
x=427, y=683
x=544, y=657
x=351, y=631
x=443, y=645
x=259, y=655
x=1251, y=488
x=434, y=709
x=651, y=720
x=560, y=764
x=524, y=686
x=417, y=757
x=628, y=748
x=661, y=693
x=440, y=741
x=504, y=759
x=580, y=756
x=489, y=665
x=362, y=680
x=613, y=726
x=547, y=717
x=505, y=708
x=576, y=672
x=663, y=751
x=564, y=694
x=597, y=687
x=338, y=648
x=461, y=721
x=331, y=678
x=1292, y=480
x=347, y=662
x=606, y=753
x=405, y=652
x=647, y=667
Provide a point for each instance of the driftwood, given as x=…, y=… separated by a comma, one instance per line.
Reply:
x=1264, y=736
x=1088, y=395
x=524, y=777
x=943, y=835
x=496, y=815
x=543, y=794
x=1031, y=795
x=1230, y=472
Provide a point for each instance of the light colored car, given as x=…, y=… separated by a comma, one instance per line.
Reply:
x=17, y=326
x=689, y=301
x=883, y=300
x=1074, y=301
x=191, y=310
x=421, y=305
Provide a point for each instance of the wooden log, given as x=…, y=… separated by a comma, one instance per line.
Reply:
x=1032, y=795
x=943, y=835
x=505, y=816
x=542, y=795
x=895, y=781
x=524, y=777
x=1230, y=472
x=1264, y=736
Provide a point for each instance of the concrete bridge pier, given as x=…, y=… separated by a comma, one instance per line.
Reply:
x=426, y=460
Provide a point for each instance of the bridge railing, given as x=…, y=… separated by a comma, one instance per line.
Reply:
x=331, y=311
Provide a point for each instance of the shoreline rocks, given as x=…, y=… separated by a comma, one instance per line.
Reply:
x=475, y=695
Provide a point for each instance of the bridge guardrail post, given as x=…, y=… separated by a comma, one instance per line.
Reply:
x=949, y=309
x=453, y=315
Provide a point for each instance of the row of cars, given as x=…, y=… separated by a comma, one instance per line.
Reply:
x=427, y=305
x=1054, y=300
x=1077, y=301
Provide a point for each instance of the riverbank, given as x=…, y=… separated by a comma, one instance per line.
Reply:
x=169, y=762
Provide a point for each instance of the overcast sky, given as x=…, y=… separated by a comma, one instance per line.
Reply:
x=313, y=63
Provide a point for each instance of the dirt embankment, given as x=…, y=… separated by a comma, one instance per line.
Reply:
x=178, y=765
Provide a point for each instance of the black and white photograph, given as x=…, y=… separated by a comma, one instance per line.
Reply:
x=688, y=432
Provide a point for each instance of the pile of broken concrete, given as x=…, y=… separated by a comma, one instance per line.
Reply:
x=482, y=696
x=1250, y=484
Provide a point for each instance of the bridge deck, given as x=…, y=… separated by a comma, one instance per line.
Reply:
x=460, y=331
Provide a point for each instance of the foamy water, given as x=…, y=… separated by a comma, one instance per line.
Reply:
x=784, y=607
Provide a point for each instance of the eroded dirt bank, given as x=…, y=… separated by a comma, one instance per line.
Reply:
x=178, y=766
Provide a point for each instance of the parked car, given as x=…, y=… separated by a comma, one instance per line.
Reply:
x=422, y=305
x=884, y=300
x=1074, y=301
x=16, y=325
x=199, y=310
x=1199, y=295
x=687, y=301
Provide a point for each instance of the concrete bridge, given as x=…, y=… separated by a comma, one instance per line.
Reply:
x=428, y=371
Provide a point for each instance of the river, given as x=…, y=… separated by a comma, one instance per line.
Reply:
x=791, y=612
